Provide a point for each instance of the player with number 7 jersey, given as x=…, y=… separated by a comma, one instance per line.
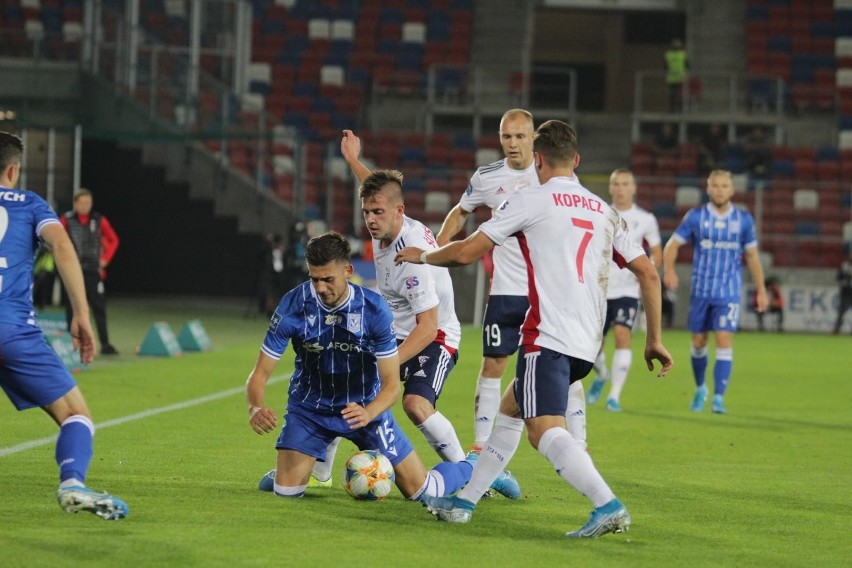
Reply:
x=567, y=270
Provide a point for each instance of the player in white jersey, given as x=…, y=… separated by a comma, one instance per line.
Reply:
x=422, y=302
x=508, y=303
x=568, y=238
x=622, y=304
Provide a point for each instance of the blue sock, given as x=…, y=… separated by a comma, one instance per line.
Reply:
x=722, y=370
x=74, y=448
x=455, y=475
x=699, y=365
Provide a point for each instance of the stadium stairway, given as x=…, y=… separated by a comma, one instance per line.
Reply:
x=170, y=242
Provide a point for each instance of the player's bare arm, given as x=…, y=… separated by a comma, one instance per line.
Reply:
x=350, y=147
x=69, y=269
x=670, y=278
x=458, y=253
x=359, y=416
x=453, y=223
x=649, y=283
x=752, y=259
x=262, y=419
x=421, y=336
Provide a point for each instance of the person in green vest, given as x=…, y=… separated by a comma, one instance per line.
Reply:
x=677, y=66
x=44, y=275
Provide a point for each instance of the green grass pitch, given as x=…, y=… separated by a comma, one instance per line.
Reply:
x=766, y=485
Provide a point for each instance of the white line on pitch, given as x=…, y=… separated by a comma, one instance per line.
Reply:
x=138, y=416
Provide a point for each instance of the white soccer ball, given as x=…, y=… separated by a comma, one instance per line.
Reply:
x=368, y=475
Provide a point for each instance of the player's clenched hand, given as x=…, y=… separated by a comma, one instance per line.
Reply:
x=262, y=419
x=350, y=146
x=659, y=353
x=408, y=254
x=356, y=415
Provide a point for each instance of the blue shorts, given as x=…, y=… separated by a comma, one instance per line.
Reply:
x=713, y=314
x=425, y=373
x=31, y=372
x=310, y=433
x=501, y=324
x=542, y=381
x=621, y=311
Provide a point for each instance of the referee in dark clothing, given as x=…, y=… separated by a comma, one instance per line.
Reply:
x=96, y=242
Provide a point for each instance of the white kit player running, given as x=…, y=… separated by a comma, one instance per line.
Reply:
x=622, y=305
x=568, y=238
x=508, y=302
x=423, y=306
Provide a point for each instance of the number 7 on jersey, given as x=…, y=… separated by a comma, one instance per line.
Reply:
x=587, y=236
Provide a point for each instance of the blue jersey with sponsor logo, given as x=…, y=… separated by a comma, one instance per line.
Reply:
x=336, y=349
x=23, y=214
x=718, y=243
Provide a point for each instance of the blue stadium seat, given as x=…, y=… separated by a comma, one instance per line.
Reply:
x=807, y=228
x=779, y=44
x=827, y=153
x=782, y=168
x=759, y=13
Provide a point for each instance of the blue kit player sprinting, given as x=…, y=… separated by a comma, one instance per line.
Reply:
x=31, y=373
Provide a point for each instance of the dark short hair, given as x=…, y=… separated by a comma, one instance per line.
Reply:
x=80, y=193
x=376, y=181
x=556, y=142
x=11, y=150
x=326, y=248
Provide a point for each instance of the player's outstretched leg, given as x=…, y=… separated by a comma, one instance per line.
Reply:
x=609, y=518
x=505, y=484
x=80, y=498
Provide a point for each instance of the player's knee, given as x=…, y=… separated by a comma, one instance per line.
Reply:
x=417, y=408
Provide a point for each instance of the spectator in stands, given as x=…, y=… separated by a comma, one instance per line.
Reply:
x=95, y=242
x=758, y=151
x=712, y=144
x=844, y=277
x=665, y=143
x=677, y=67
x=776, y=305
x=272, y=278
x=44, y=275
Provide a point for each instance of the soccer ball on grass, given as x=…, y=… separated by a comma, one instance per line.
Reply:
x=368, y=475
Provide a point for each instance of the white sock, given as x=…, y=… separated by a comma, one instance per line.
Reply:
x=574, y=465
x=486, y=403
x=621, y=360
x=442, y=437
x=499, y=449
x=284, y=491
x=600, y=367
x=322, y=470
x=434, y=486
x=575, y=415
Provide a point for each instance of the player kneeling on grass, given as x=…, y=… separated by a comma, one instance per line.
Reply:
x=346, y=378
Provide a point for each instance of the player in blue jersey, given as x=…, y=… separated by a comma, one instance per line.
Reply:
x=31, y=373
x=346, y=378
x=722, y=236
